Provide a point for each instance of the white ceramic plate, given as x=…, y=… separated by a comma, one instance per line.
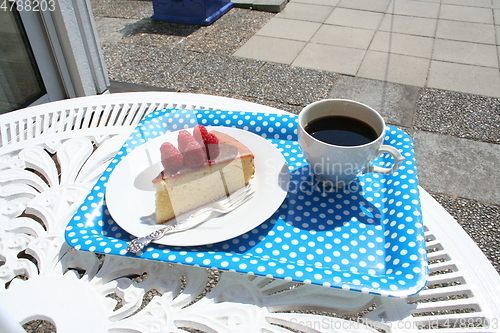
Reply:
x=130, y=196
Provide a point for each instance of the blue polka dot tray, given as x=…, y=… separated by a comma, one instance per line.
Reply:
x=366, y=237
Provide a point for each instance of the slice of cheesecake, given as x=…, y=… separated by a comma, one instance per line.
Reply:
x=190, y=188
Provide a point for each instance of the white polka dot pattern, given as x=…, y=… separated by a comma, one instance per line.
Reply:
x=367, y=237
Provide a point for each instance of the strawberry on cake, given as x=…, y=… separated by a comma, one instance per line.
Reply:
x=203, y=168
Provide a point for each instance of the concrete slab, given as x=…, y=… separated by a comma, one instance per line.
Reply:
x=459, y=42
x=246, y=4
x=498, y=52
x=271, y=49
x=355, y=18
x=374, y=6
x=331, y=3
x=343, y=36
x=458, y=167
x=414, y=8
x=272, y=6
x=338, y=59
x=466, y=14
x=419, y=26
x=394, y=68
x=465, y=53
x=305, y=12
x=395, y=102
x=289, y=29
x=475, y=3
x=417, y=46
x=466, y=31
x=465, y=78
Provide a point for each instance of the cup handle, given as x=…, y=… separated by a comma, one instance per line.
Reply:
x=398, y=159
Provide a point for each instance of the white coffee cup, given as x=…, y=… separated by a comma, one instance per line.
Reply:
x=338, y=164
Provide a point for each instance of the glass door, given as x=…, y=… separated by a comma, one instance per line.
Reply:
x=21, y=83
x=48, y=53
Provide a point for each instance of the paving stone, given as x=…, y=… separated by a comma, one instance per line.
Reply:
x=246, y=4
x=395, y=102
x=414, y=8
x=394, y=68
x=374, y=6
x=465, y=52
x=416, y=46
x=355, y=18
x=271, y=49
x=465, y=78
x=458, y=167
x=338, y=59
x=331, y=3
x=466, y=13
x=289, y=29
x=272, y=6
x=343, y=36
x=464, y=115
x=305, y=12
x=476, y=3
x=466, y=31
x=419, y=26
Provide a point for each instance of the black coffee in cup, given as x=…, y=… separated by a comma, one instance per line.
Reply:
x=341, y=131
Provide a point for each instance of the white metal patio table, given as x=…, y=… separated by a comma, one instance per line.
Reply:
x=39, y=197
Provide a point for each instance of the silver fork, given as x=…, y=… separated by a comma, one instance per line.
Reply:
x=219, y=208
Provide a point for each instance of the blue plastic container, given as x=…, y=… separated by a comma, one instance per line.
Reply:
x=200, y=12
